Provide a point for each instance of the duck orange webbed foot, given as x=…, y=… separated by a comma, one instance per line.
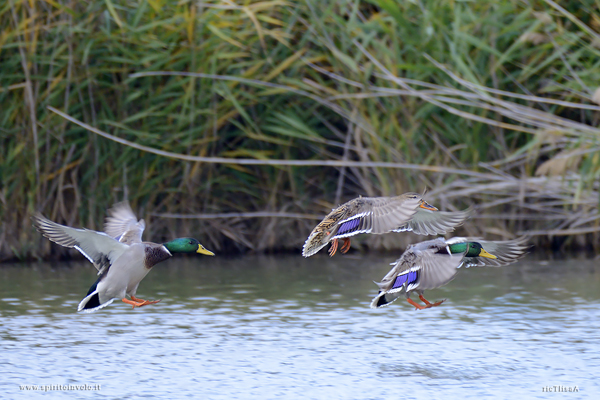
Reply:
x=417, y=306
x=136, y=302
x=333, y=248
x=345, y=246
x=427, y=303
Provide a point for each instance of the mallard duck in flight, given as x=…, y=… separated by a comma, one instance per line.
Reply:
x=434, y=263
x=377, y=215
x=119, y=255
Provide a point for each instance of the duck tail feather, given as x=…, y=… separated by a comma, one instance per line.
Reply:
x=384, y=299
x=87, y=306
x=91, y=302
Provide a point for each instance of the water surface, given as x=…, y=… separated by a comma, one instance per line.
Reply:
x=288, y=327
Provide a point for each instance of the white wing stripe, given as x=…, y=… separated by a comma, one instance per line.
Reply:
x=364, y=214
x=349, y=234
x=84, y=253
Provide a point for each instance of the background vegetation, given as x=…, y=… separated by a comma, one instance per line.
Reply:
x=483, y=103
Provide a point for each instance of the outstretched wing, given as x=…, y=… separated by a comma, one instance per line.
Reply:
x=98, y=247
x=362, y=215
x=376, y=215
x=122, y=224
x=427, y=222
x=437, y=269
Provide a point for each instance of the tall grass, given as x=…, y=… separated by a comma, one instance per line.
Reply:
x=485, y=103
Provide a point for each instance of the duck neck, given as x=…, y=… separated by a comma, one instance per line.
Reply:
x=154, y=255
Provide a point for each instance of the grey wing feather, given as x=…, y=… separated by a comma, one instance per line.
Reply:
x=383, y=214
x=399, y=266
x=122, y=224
x=99, y=248
x=427, y=222
x=437, y=270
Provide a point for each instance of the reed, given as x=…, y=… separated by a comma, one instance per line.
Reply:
x=214, y=103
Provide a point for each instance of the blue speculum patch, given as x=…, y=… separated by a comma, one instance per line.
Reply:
x=407, y=278
x=400, y=281
x=349, y=226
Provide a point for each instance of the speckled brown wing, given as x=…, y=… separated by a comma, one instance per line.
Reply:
x=122, y=224
x=375, y=215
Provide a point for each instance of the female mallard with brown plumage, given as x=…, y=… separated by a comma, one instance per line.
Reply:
x=119, y=255
x=377, y=215
x=434, y=263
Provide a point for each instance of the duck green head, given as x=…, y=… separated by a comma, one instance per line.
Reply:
x=187, y=245
x=470, y=249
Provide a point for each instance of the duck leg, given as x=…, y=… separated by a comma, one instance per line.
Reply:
x=418, y=306
x=345, y=246
x=143, y=302
x=135, y=302
x=428, y=304
x=333, y=248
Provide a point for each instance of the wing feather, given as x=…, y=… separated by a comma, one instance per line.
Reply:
x=98, y=247
x=427, y=222
x=437, y=269
x=380, y=214
x=122, y=224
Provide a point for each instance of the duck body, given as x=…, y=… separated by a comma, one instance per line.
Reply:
x=119, y=255
x=117, y=283
x=434, y=263
x=378, y=215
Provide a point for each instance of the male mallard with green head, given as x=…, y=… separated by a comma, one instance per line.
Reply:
x=378, y=215
x=119, y=255
x=434, y=263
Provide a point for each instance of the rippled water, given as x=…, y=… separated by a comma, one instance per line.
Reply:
x=288, y=327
